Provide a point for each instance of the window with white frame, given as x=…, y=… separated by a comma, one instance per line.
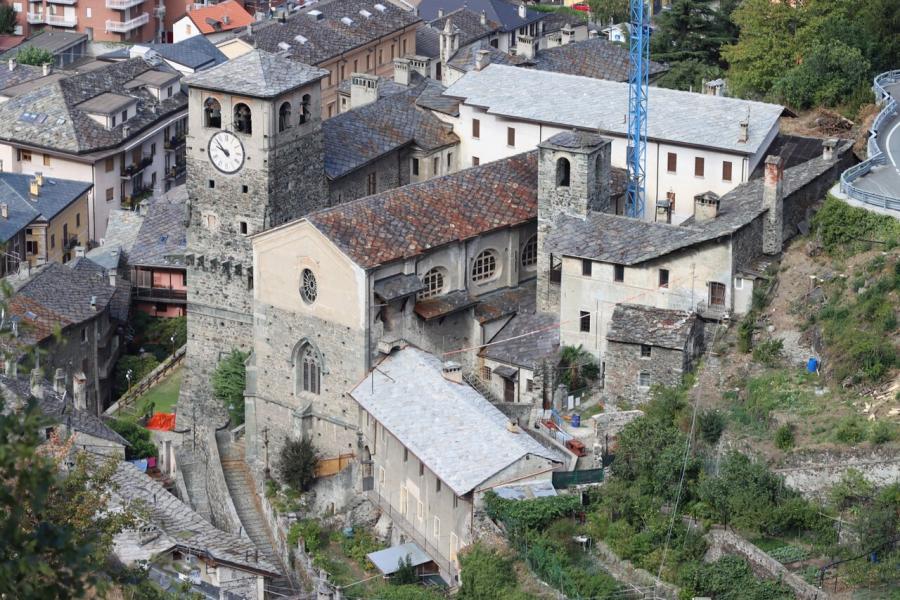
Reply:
x=433, y=280
x=529, y=253
x=420, y=510
x=484, y=267
x=644, y=379
x=738, y=283
x=437, y=528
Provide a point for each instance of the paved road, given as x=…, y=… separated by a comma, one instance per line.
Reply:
x=885, y=179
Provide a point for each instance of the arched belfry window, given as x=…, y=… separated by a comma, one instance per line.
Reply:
x=284, y=116
x=308, y=366
x=304, y=112
x=562, y=172
x=212, y=113
x=243, y=118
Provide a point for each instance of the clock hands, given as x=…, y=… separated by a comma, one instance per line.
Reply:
x=224, y=151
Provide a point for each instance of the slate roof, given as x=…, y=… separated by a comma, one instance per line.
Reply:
x=638, y=324
x=398, y=286
x=464, y=59
x=53, y=41
x=60, y=410
x=467, y=23
x=211, y=18
x=505, y=14
x=556, y=20
x=460, y=436
x=327, y=37
x=359, y=136
x=597, y=58
x=49, y=116
x=184, y=527
x=385, y=86
x=622, y=240
x=195, y=53
x=505, y=302
x=445, y=304
x=62, y=294
x=23, y=208
x=257, y=73
x=406, y=221
x=163, y=232
x=121, y=232
x=19, y=74
x=680, y=117
x=508, y=345
x=428, y=42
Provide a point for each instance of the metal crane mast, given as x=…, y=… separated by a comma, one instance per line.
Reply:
x=639, y=83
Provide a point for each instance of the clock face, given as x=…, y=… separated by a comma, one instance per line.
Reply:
x=226, y=152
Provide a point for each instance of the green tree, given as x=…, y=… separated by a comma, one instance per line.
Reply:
x=711, y=424
x=138, y=366
x=650, y=455
x=297, y=464
x=689, y=75
x=784, y=437
x=577, y=367
x=141, y=446
x=766, y=47
x=828, y=76
x=486, y=574
x=405, y=573
x=34, y=56
x=54, y=536
x=608, y=11
x=7, y=19
x=690, y=30
x=228, y=382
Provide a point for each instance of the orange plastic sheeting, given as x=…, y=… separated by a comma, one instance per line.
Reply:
x=162, y=422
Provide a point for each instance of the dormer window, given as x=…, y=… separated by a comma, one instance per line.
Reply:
x=109, y=109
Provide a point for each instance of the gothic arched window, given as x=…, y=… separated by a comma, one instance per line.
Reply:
x=212, y=113
x=562, y=172
x=243, y=118
x=307, y=370
x=284, y=116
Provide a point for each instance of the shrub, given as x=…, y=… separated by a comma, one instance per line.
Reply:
x=532, y=514
x=745, y=333
x=712, y=424
x=727, y=578
x=841, y=227
x=882, y=432
x=141, y=446
x=297, y=466
x=139, y=366
x=486, y=574
x=34, y=56
x=784, y=437
x=769, y=352
x=228, y=382
x=850, y=430
x=307, y=530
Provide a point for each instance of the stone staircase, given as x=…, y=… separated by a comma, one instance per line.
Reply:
x=481, y=387
x=243, y=495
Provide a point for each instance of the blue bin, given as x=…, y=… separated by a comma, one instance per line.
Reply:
x=812, y=365
x=576, y=420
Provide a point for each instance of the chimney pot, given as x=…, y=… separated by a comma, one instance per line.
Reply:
x=79, y=391
x=12, y=64
x=706, y=206
x=828, y=147
x=522, y=11
x=525, y=46
x=45, y=69
x=4, y=210
x=39, y=177
x=452, y=371
x=482, y=59
x=483, y=18
x=59, y=382
x=112, y=277
x=401, y=73
x=37, y=387
x=33, y=187
x=440, y=13
x=80, y=251
x=745, y=131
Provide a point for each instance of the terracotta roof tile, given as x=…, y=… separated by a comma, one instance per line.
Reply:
x=211, y=19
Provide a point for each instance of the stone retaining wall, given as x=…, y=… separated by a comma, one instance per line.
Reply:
x=221, y=507
x=814, y=473
x=622, y=570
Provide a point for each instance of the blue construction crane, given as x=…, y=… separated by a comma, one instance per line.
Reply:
x=639, y=83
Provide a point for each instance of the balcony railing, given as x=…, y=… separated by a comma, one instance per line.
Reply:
x=160, y=294
x=122, y=4
x=717, y=312
x=136, y=168
x=176, y=171
x=61, y=20
x=35, y=18
x=66, y=2
x=175, y=142
x=70, y=242
x=125, y=26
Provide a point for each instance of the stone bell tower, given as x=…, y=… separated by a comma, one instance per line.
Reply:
x=255, y=160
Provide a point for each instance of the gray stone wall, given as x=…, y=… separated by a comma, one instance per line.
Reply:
x=624, y=365
x=391, y=171
x=280, y=410
x=814, y=473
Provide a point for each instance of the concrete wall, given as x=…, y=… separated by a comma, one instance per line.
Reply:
x=491, y=145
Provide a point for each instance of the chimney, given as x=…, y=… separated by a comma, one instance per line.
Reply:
x=363, y=89
x=112, y=277
x=4, y=210
x=11, y=368
x=226, y=19
x=45, y=69
x=828, y=147
x=452, y=371
x=37, y=384
x=440, y=13
x=449, y=42
x=33, y=187
x=79, y=251
x=79, y=391
x=94, y=302
x=522, y=11
x=773, y=202
x=59, y=382
x=144, y=207
x=592, y=34
x=482, y=59
x=401, y=73
x=483, y=20
x=745, y=131
x=12, y=64
x=249, y=30
x=39, y=177
x=664, y=211
x=706, y=207
x=525, y=46
x=567, y=35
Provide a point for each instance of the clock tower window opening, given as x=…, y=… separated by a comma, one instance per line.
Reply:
x=304, y=109
x=212, y=113
x=243, y=119
x=284, y=116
